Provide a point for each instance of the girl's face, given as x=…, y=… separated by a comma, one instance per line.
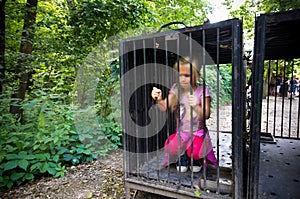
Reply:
x=184, y=76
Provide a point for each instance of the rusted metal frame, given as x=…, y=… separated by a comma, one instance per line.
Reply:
x=170, y=191
x=238, y=116
x=245, y=132
x=182, y=31
x=256, y=101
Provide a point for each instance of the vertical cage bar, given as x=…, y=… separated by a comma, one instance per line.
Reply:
x=123, y=118
x=218, y=109
x=283, y=95
x=298, y=117
x=275, y=103
x=268, y=96
x=203, y=106
x=191, y=112
x=237, y=111
x=136, y=111
x=146, y=105
x=156, y=113
x=167, y=109
x=178, y=116
x=291, y=98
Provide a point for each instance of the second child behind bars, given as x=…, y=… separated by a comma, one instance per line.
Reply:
x=184, y=142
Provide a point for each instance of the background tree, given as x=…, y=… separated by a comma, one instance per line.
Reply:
x=268, y=6
x=23, y=64
x=189, y=12
x=248, y=11
x=2, y=44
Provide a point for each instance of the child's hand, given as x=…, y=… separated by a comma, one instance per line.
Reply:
x=192, y=100
x=156, y=94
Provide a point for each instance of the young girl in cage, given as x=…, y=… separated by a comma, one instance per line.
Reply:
x=183, y=143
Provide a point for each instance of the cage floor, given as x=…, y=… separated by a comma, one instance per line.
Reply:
x=153, y=169
x=279, y=172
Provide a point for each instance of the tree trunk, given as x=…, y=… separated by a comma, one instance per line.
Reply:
x=25, y=52
x=2, y=44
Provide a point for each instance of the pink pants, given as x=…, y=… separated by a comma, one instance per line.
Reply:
x=174, y=146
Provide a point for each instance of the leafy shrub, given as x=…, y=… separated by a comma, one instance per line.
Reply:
x=45, y=144
x=113, y=131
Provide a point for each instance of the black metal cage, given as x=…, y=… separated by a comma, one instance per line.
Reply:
x=274, y=126
x=146, y=62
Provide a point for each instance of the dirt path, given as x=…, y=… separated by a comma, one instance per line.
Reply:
x=102, y=178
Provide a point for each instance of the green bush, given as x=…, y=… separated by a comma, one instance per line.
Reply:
x=45, y=144
x=113, y=131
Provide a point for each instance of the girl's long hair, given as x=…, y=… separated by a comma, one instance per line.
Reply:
x=195, y=70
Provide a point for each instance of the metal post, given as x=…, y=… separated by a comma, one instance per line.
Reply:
x=256, y=99
x=238, y=117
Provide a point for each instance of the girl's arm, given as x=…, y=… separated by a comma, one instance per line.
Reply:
x=199, y=108
x=162, y=103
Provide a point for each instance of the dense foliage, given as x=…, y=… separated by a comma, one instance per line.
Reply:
x=47, y=136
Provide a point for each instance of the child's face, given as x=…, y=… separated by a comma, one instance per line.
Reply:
x=184, y=75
